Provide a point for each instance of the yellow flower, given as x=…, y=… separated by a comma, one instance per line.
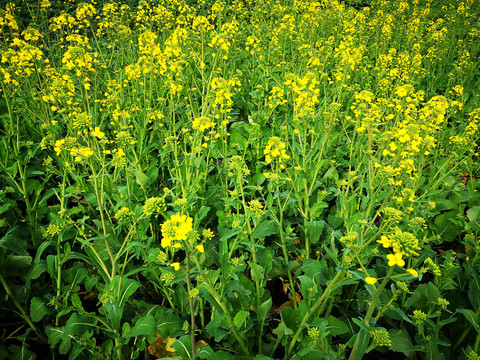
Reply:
x=395, y=259
x=413, y=272
x=202, y=123
x=99, y=134
x=385, y=241
x=370, y=280
x=175, y=265
x=176, y=229
x=200, y=248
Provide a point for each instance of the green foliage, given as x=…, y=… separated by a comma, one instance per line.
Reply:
x=239, y=179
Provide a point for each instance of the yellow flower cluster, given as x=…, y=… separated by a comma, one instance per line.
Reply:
x=275, y=149
x=305, y=93
x=176, y=229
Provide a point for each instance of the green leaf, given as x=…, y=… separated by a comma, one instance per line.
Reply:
x=240, y=318
x=114, y=314
x=315, y=229
x=183, y=347
x=208, y=354
x=146, y=326
x=55, y=335
x=123, y=288
x=422, y=296
x=15, y=241
x=360, y=344
x=257, y=271
x=445, y=226
x=401, y=342
x=264, y=309
x=471, y=317
x=265, y=228
x=289, y=317
x=335, y=221
x=141, y=178
x=167, y=322
x=38, y=309
x=201, y=213
x=217, y=327
x=282, y=330
x=19, y=353
x=336, y=326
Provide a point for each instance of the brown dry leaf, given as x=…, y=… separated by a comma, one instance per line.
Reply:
x=277, y=310
x=298, y=298
x=161, y=348
x=201, y=343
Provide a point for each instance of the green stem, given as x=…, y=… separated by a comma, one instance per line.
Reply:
x=190, y=303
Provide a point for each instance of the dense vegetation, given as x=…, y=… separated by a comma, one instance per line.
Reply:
x=240, y=179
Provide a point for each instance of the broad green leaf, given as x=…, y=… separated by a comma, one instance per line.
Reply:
x=401, y=342
x=266, y=261
x=444, y=225
x=315, y=229
x=336, y=326
x=145, y=326
x=264, y=309
x=183, y=347
x=38, y=309
x=257, y=271
x=282, y=330
x=422, y=296
x=15, y=241
x=240, y=318
x=114, y=314
x=359, y=343
x=265, y=228
x=141, y=178
x=19, y=353
x=123, y=288
x=201, y=213
x=217, y=327
x=334, y=221
x=167, y=322
x=289, y=317
x=471, y=317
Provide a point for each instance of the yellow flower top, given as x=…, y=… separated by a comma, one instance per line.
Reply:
x=99, y=134
x=275, y=149
x=200, y=248
x=175, y=265
x=176, y=229
x=370, y=280
x=413, y=272
x=395, y=259
x=385, y=241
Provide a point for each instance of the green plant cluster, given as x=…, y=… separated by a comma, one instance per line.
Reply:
x=239, y=179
